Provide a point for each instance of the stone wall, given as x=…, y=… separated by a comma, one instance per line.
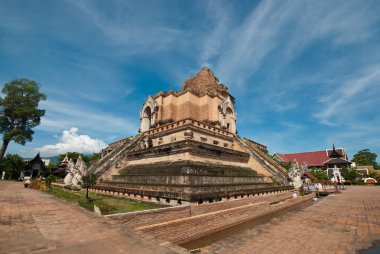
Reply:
x=188, y=105
x=192, y=147
x=186, y=180
x=191, y=228
x=179, y=194
x=150, y=217
x=213, y=207
x=199, y=134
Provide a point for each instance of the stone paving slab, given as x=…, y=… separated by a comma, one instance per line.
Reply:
x=341, y=223
x=34, y=222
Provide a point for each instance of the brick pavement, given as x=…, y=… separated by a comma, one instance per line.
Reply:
x=342, y=223
x=35, y=222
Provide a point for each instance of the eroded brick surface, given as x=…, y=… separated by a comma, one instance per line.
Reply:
x=35, y=222
x=343, y=223
x=187, y=229
x=150, y=217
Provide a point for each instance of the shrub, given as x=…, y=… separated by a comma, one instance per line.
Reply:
x=50, y=179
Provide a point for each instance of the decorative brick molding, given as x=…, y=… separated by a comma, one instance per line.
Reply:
x=186, y=196
x=194, y=148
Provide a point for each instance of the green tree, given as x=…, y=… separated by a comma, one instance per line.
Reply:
x=319, y=174
x=19, y=112
x=87, y=182
x=50, y=179
x=372, y=175
x=349, y=174
x=365, y=158
x=93, y=157
x=287, y=165
x=12, y=164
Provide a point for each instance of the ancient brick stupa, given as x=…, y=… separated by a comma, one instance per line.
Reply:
x=188, y=149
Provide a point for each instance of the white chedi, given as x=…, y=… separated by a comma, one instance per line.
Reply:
x=80, y=170
x=75, y=173
x=81, y=166
x=70, y=172
x=76, y=180
x=68, y=178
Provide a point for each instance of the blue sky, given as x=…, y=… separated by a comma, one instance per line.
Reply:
x=305, y=74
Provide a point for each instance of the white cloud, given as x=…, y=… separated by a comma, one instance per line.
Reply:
x=285, y=106
x=133, y=34
x=60, y=115
x=221, y=20
x=71, y=141
x=286, y=28
x=251, y=42
x=349, y=99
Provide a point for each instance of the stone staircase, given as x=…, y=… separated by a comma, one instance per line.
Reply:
x=103, y=164
x=270, y=164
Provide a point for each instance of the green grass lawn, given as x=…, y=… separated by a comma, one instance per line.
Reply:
x=107, y=205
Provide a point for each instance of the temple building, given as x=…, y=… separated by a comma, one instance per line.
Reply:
x=331, y=160
x=188, y=148
x=36, y=167
x=319, y=159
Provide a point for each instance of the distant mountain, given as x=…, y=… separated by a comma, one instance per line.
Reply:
x=53, y=159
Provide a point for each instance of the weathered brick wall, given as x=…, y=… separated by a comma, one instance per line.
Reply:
x=213, y=207
x=191, y=228
x=149, y=217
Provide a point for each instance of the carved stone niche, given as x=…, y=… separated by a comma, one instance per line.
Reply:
x=148, y=114
x=173, y=139
x=227, y=115
x=160, y=141
x=215, y=142
x=203, y=139
x=188, y=134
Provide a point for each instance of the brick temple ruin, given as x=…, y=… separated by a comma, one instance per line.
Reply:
x=188, y=149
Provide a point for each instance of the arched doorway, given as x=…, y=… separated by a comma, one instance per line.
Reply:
x=146, y=119
x=227, y=115
x=230, y=121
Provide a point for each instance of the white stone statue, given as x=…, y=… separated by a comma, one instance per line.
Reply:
x=75, y=172
x=67, y=179
x=65, y=161
x=70, y=172
x=336, y=175
x=76, y=180
x=81, y=166
x=295, y=174
x=79, y=171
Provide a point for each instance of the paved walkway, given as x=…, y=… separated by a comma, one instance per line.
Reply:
x=342, y=223
x=35, y=222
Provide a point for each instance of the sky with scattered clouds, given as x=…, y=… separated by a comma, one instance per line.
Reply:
x=305, y=74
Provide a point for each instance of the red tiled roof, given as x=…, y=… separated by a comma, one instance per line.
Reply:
x=337, y=161
x=312, y=159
